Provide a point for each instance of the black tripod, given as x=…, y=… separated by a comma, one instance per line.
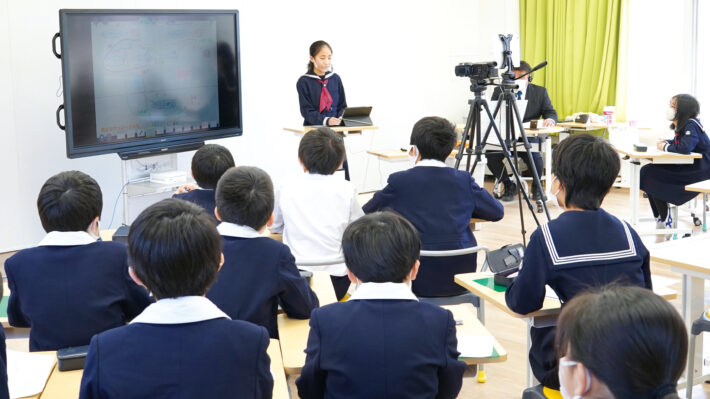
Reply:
x=473, y=121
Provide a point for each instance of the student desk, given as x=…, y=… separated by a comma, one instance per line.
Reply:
x=655, y=156
x=343, y=129
x=688, y=257
x=701, y=187
x=481, y=284
x=66, y=384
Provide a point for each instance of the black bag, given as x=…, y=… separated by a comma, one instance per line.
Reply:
x=504, y=262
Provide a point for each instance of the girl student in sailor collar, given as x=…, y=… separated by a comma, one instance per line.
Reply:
x=666, y=183
x=320, y=91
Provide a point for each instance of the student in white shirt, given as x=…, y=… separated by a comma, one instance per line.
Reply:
x=314, y=210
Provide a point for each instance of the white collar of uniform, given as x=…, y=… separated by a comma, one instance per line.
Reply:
x=67, y=238
x=317, y=176
x=237, y=230
x=431, y=162
x=184, y=309
x=327, y=75
x=383, y=291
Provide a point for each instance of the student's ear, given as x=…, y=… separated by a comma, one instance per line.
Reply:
x=270, y=222
x=415, y=271
x=221, y=260
x=134, y=276
x=302, y=165
x=216, y=214
x=94, y=227
x=580, y=380
x=192, y=174
x=352, y=277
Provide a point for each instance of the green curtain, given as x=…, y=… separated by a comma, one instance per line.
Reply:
x=581, y=41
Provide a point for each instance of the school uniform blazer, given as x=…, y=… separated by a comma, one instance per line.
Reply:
x=577, y=251
x=67, y=293
x=196, y=352
x=539, y=104
x=4, y=391
x=258, y=274
x=203, y=198
x=440, y=202
x=667, y=181
x=388, y=347
x=309, y=91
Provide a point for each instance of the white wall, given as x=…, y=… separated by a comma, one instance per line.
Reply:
x=397, y=56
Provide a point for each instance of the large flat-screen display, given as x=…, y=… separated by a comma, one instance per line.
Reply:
x=141, y=81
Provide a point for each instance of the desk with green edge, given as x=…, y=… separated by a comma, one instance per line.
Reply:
x=482, y=285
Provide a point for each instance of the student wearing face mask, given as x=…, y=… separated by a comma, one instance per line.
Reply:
x=440, y=202
x=620, y=342
x=584, y=247
x=539, y=106
x=665, y=184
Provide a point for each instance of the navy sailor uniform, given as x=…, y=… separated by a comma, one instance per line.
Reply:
x=67, y=293
x=381, y=344
x=577, y=251
x=667, y=182
x=309, y=92
x=258, y=274
x=201, y=197
x=181, y=347
x=440, y=202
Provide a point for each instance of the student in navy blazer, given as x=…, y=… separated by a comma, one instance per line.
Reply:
x=71, y=286
x=585, y=247
x=259, y=273
x=440, y=202
x=382, y=343
x=182, y=346
x=208, y=164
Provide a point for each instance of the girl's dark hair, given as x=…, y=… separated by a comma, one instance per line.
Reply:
x=315, y=49
x=687, y=107
x=630, y=338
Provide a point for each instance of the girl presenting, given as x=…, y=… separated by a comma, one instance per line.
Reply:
x=320, y=91
x=666, y=183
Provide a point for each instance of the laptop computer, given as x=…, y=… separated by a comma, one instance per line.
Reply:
x=356, y=116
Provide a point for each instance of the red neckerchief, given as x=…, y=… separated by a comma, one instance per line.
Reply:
x=325, y=99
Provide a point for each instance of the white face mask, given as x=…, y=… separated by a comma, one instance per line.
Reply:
x=670, y=114
x=564, y=365
x=553, y=197
x=413, y=158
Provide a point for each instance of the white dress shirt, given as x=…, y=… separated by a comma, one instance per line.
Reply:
x=67, y=238
x=383, y=291
x=313, y=211
x=184, y=309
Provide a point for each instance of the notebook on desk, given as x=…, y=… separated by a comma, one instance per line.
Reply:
x=356, y=116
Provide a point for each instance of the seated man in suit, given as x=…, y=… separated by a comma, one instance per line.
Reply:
x=539, y=106
x=382, y=343
x=182, y=346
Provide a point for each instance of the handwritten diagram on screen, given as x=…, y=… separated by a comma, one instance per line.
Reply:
x=154, y=76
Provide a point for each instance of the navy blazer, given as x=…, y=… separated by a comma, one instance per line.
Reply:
x=381, y=349
x=258, y=274
x=539, y=104
x=203, y=198
x=218, y=358
x=439, y=202
x=4, y=391
x=309, y=91
x=66, y=294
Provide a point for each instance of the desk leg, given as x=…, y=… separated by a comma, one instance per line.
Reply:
x=634, y=190
x=548, y=165
x=693, y=307
x=704, y=205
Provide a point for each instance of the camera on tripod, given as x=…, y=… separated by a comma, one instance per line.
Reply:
x=478, y=71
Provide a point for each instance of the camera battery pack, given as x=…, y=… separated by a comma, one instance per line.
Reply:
x=500, y=279
x=640, y=148
x=72, y=358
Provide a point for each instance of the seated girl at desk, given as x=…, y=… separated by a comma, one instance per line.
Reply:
x=584, y=247
x=665, y=183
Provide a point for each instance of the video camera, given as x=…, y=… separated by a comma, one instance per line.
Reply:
x=479, y=71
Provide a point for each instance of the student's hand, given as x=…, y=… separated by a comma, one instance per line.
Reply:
x=660, y=144
x=548, y=122
x=185, y=188
x=333, y=121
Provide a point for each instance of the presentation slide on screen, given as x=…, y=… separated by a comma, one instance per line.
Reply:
x=154, y=76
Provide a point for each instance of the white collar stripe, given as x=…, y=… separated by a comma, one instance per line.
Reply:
x=327, y=76
x=600, y=256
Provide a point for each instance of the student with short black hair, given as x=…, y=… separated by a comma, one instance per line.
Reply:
x=393, y=345
x=182, y=345
x=208, y=164
x=71, y=286
x=440, y=202
x=584, y=247
x=259, y=273
x=620, y=342
x=313, y=210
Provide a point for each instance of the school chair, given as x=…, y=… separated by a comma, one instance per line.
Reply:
x=541, y=392
x=468, y=297
x=699, y=326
